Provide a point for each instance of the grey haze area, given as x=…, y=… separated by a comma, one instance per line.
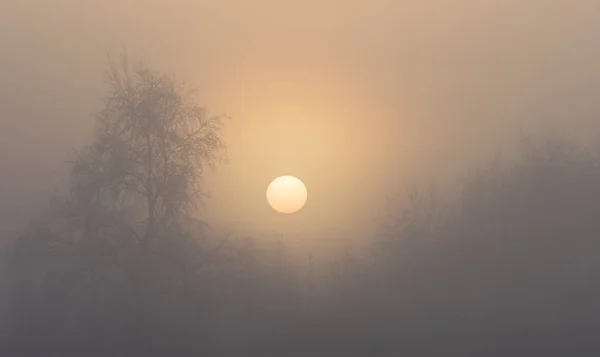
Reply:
x=450, y=150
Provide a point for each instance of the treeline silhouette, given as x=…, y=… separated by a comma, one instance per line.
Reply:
x=510, y=267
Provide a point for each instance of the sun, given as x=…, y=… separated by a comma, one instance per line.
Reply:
x=286, y=194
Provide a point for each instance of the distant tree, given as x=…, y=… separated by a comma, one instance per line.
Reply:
x=518, y=245
x=151, y=146
x=117, y=262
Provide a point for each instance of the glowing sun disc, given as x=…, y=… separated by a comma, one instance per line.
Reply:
x=286, y=194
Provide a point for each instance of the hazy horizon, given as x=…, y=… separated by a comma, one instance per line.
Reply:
x=358, y=99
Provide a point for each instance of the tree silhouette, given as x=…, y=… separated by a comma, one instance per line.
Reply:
x=151, y=146
x=118, y=262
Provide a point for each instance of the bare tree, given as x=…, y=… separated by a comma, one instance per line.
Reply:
x=103, y=259
x=151, y=146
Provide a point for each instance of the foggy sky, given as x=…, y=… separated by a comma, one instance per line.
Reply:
x=353, y=97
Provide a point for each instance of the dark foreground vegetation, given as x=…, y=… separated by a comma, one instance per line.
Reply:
x=510, y=267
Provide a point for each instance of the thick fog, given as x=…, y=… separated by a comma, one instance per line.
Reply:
x=359, y=99
x=350, y=98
